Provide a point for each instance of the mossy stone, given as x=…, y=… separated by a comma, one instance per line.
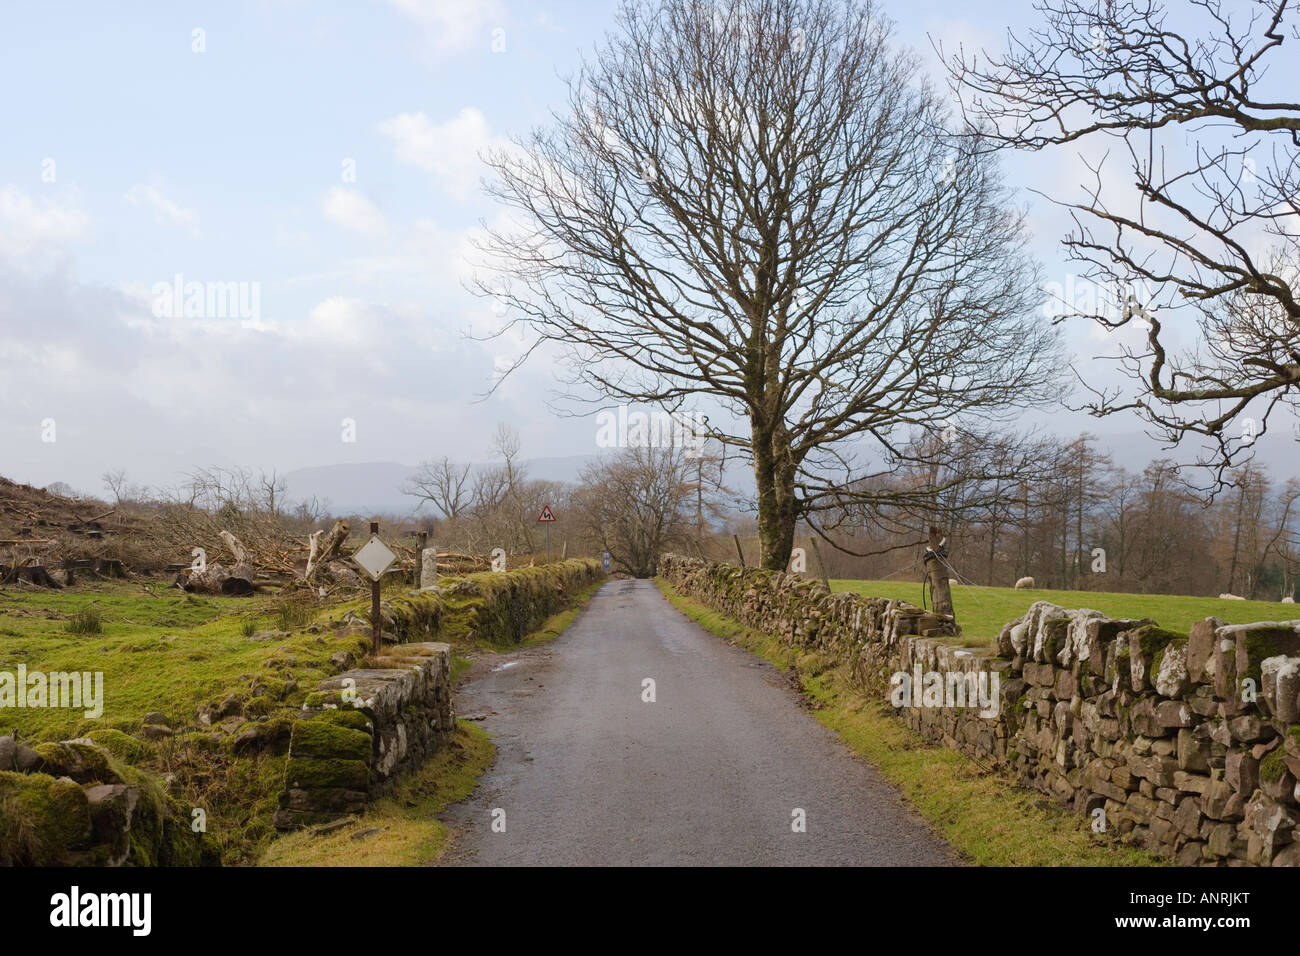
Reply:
x=84, y=763
x=309, y=773
x=41, y=819
x=1272, y=767
x=345, y=718
x=119, y=744
x=319, y=738
x=259, y=707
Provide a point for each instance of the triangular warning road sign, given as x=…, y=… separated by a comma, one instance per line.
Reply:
x=546, y=514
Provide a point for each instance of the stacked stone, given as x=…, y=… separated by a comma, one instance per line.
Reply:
x=362, y=730
x=1190, y=744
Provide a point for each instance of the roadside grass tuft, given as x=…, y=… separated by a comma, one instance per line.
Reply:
x=86, y=620
x=295, y=610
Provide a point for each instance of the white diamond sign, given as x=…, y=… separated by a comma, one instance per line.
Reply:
x=374, y=557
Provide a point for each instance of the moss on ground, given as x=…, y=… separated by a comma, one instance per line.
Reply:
x=39, y=818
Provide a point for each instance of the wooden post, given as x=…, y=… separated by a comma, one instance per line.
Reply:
x=422, y=542
x=820, y=563
x=564, y=550
x=739, y=553
x=937, y=574
x=376, y=622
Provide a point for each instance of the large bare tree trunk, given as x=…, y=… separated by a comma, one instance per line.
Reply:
x=778, y=508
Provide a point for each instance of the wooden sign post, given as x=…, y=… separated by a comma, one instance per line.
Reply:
x=374, y=557
x=422, y=542
x=376, y=616
x=936, y=571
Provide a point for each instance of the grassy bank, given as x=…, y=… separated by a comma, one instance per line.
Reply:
x=166, y=652
x=984, y=816
x=401, y=829
x=982, y=611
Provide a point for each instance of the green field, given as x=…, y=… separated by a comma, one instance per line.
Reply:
x=162, y=650
x=982, y=611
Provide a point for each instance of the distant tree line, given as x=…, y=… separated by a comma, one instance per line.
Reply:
x=1078, y=520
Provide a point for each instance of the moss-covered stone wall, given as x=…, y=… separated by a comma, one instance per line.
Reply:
x=362, y=729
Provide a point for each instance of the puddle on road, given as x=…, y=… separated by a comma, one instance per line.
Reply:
x=501, y=667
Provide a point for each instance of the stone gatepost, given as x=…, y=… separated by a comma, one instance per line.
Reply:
x=429, y=567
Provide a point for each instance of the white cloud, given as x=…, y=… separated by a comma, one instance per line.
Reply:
x=454, y=24
x=28, y=224
x=338, y=321
x=350, y=209
x=449, y=151
x=166, y=212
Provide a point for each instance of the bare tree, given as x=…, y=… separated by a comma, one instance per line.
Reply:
x=638, y=504
x=273, y=487
x=1212, y=227
x=115, y=482
x=443, y=484
x=759, y=202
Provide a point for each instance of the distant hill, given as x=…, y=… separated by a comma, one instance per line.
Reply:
x=376, y=486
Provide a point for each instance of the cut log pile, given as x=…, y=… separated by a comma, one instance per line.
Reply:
x=49, y=540
x=326, y=565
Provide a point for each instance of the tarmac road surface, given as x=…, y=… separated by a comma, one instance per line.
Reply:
x=713, y=772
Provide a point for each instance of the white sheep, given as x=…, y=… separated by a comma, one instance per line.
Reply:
x=1024, y=583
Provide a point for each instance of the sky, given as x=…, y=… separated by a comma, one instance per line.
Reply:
x=318, y=164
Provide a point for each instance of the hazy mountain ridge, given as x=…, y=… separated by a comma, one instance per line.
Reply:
x=376, y=486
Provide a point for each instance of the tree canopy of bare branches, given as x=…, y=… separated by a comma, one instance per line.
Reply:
x=443, y=484
x=759, y=202
x=1211, y=226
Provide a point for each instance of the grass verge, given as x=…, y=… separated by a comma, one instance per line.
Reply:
x=554, y=625
x=983, y=815
x=400, y=829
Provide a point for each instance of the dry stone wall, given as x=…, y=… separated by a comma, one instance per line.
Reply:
x=1187, y=743
x=363, y=729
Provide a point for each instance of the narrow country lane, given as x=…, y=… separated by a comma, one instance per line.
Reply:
x=711, y=772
